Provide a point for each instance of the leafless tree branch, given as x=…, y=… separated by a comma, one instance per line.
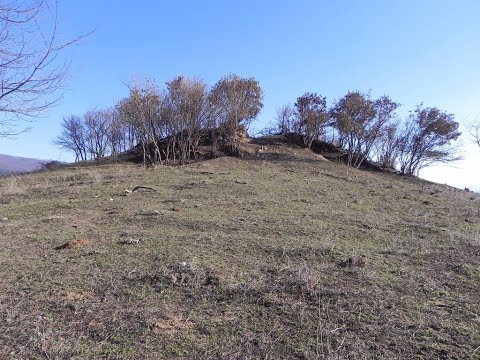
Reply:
x=31, y=73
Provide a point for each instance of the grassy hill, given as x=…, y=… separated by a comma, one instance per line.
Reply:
x=277, y=255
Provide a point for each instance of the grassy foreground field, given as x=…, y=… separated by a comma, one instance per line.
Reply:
x=294, y=257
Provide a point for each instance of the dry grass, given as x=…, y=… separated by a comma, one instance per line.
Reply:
x=11, y=186
x=238, y=259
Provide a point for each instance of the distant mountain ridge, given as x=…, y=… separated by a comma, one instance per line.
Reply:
x=9, y=164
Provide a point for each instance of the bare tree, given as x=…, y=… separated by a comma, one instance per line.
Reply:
x=426, y=139
x=382, y=128
x=474, y=130
x=186, y=113
x=98, y=134
x=73, y=137
x=124, y=127
x=387, y=148
x=285, y=120
x=117, y=132
x=97, y=125
x=235, y=102
x=141, y=111
x=311, y=115
x=30, y=71
x=361, y=122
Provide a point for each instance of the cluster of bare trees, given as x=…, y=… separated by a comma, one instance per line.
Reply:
x=370, y=129
x=169, y=123
x=94, y=135
x=166, y=123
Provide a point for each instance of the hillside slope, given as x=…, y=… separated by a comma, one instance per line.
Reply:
x=294, y=257
x=9, y=164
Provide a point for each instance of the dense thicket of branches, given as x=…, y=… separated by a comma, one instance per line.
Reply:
x=139, y=116
x=186, y=113
x=285, y=121
x=387, y=148
x=307, y=117
x=310, y=114
x=426, y=139
x=167, y=124
x=361, y=122
x=234, y=102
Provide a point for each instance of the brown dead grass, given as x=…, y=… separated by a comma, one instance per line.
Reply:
x=77, y=295
x=171, y=324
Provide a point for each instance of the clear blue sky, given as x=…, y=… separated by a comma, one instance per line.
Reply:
x=414, y=51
